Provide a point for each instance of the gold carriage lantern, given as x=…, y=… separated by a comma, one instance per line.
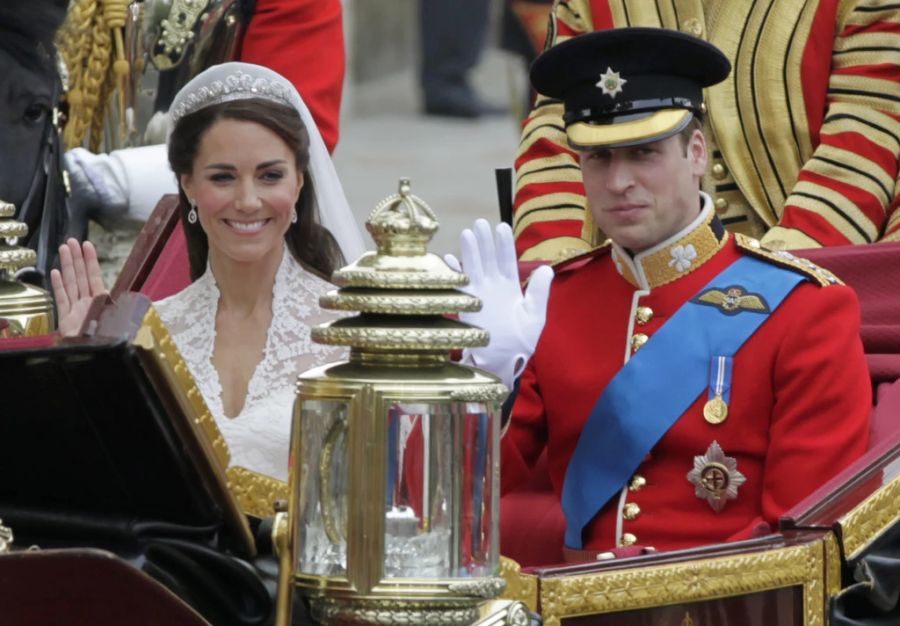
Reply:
x=24, y=310
x=394, y=482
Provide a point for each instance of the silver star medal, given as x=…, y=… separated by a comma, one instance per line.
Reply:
x=715, y=477
x=611, y=83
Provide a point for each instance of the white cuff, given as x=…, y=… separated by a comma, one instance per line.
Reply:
x=146, y=177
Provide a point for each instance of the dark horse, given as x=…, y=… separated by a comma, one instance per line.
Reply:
x=30, y=151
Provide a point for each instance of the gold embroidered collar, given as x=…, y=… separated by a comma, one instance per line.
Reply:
x=675, y=257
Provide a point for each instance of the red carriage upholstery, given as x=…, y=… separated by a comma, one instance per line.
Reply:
x=874, y=273
x=532, y=525
x=158, y=264
x=81, y=587
x=171, y=273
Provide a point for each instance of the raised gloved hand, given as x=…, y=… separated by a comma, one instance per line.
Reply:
x=513, y=319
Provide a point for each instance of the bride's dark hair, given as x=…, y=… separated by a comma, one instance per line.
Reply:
x=310, y=243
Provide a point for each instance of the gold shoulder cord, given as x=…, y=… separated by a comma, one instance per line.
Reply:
x=86, y=42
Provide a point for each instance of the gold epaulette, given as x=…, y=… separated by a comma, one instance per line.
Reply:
x=817, y=274
x=579, y=257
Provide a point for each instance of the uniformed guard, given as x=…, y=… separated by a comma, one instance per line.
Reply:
x=689, y=385
x=782, y=166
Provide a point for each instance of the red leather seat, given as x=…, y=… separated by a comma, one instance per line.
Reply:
x=158, y=264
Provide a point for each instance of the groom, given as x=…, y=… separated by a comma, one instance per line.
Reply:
x=688, y=384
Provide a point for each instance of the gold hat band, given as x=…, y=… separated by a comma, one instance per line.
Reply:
x=659, y=125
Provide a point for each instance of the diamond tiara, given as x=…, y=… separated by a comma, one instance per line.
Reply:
x=236, y=86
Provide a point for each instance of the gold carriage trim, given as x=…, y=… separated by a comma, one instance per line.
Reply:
x=255, y=492
x=154, y=336
x=870, y=518
x=642, y=588
x=519, y=586
x=832, y=565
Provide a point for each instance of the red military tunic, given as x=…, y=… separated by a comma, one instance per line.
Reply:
x=805, y=130
x=800, y=393
x=303, y=40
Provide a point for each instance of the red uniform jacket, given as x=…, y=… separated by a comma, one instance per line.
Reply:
x=805, y=130
x=798, y=412
x=303, y=40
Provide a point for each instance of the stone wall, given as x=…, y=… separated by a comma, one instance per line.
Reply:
x=382, y=40
x=381, y=37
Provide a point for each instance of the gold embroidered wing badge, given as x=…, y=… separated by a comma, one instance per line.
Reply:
x=733, y=300
x=715, y=477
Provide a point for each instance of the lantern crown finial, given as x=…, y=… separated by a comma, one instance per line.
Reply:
x=401, y=291
x=402, y=224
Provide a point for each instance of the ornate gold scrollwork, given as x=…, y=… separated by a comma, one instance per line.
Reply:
x=392, y=612
x=478, y=587
x=176, y=31
x=647, y=587
x=336, y=430
x=255, y=492
x=870, y=518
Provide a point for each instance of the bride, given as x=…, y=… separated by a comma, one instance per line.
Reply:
x=249, y=163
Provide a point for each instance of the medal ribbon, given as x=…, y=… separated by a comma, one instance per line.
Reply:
x=657, y=385
x=720, y=378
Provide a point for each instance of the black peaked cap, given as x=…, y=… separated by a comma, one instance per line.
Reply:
x=618, y=75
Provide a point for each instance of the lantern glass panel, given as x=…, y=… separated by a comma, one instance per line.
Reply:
x=442, y=493
x=323, y=486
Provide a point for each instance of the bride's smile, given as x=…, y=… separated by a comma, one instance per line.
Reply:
x=245, y=184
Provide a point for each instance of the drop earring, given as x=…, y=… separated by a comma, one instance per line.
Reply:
x=192, y=214
x=294, y=217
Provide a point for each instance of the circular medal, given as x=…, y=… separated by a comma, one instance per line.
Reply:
x=715, y=411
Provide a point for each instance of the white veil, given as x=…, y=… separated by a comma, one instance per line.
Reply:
x=334, y=211
x=236, y=80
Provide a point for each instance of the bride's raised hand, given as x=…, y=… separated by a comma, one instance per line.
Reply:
x=76, y=284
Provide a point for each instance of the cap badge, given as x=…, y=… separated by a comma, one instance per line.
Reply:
x=611, y=83
x=733, y=300
x=715, y=477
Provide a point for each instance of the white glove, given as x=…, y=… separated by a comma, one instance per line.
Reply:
x=514, y=320
x=127, y=182
x=98, y=185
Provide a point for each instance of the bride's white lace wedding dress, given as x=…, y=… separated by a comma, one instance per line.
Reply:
x=259, y=437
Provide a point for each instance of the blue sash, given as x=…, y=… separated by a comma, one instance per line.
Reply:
x=658, y=384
